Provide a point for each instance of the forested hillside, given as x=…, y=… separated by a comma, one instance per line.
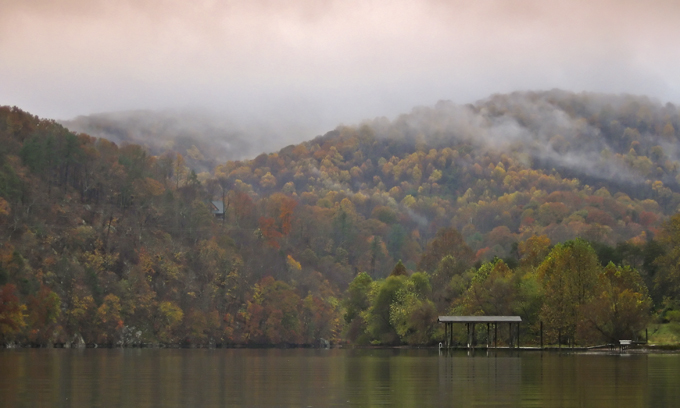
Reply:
x=555, y=206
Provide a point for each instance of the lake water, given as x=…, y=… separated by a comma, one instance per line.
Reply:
x=337, y=377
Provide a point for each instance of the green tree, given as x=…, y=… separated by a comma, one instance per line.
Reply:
x=569, y=276
x=412, y=314
x=493, y=291
x=356, y=303
x=382, y=295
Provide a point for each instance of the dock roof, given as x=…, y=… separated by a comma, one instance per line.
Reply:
x=479, y=319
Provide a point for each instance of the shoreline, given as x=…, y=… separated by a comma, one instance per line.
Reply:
x=600, y=349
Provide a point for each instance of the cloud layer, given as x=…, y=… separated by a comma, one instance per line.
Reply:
x=320, y=63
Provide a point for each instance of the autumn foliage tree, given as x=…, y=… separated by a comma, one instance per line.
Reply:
x=12, y=313
x=272, y=313
x=448, y=241
x=44, y=310
x=619, y=308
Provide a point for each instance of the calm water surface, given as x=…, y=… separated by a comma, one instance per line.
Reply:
x=322, y=378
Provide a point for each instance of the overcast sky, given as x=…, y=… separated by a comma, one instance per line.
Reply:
x=321, y=63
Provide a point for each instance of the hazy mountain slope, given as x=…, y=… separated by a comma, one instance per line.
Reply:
x=587, y=134
x=101, y=238
x=528, y=163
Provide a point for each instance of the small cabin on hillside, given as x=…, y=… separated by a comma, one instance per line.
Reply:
x=217, y=208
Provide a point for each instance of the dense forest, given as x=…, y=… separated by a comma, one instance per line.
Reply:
x=558, y=207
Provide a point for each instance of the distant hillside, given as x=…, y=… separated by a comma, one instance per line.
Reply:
x=103, y=240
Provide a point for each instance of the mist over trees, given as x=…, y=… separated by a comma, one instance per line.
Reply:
x=554, y=206
x=203, y=138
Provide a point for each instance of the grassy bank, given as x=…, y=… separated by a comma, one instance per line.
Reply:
x=664, y=334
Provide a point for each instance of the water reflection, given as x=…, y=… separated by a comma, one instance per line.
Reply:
x=281, y=378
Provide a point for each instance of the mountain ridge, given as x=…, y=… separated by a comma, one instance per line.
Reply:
x=109, y=237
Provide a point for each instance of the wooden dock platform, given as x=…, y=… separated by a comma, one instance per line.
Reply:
x=471, y=322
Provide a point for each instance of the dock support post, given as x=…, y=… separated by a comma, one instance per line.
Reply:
x=495, y=335
x=467, y=325
x=450, y=334
x=446, y=335
x=488, y=334
x=518, y=328
x=474, y=337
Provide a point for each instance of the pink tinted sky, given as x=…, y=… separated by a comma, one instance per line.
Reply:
x=326, y=62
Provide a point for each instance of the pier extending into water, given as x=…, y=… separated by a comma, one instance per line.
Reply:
x=496, y=325
x=471, y=322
